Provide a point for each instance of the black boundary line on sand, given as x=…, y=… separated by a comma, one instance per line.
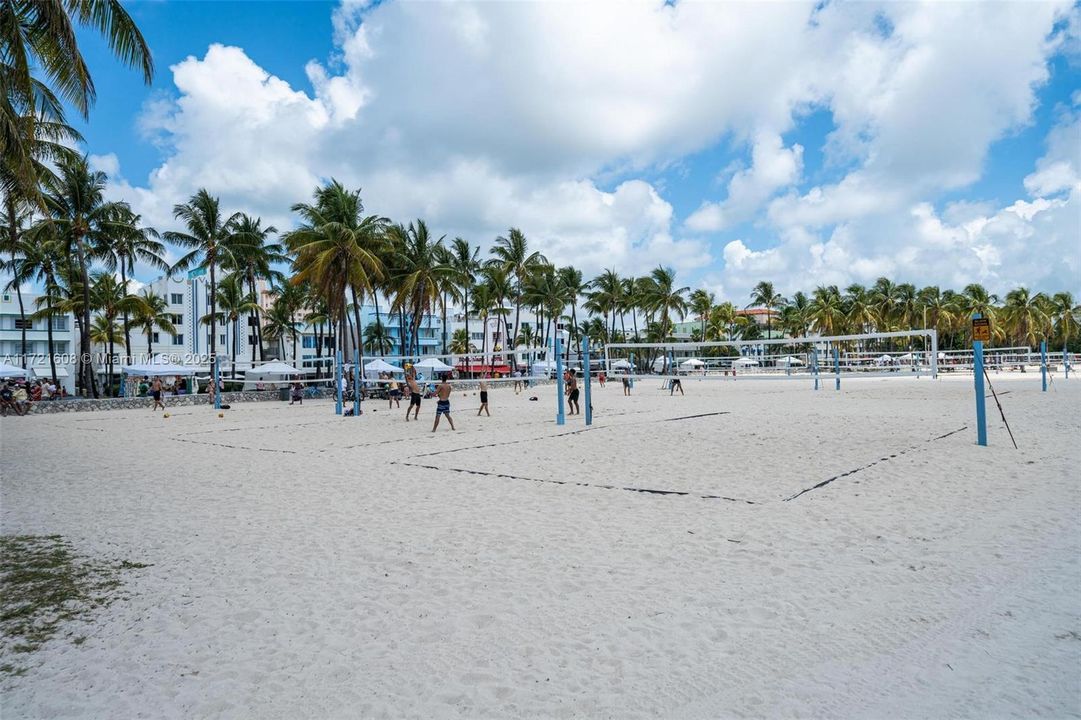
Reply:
x=648, y=491
x=872, y=464
x=234, y=447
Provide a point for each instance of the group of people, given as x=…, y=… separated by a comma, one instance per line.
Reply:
x=16, y=395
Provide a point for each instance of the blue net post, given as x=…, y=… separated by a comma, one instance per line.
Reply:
x=836, y=369
x=814, y=365
x=338, y=382
x=588, y=374
x=1043, y=363
x=356, y=382
x=981, y=409
x=633, y=370
x=216, y=379
x=1065, y=361
x=560, y=417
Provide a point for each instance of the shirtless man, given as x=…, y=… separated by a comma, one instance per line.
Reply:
x=414, y=396
x=155, y=392
x=572, y=392
x=442, y=405
x=483, y=399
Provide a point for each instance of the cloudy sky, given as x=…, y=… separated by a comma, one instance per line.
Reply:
x=805, y=143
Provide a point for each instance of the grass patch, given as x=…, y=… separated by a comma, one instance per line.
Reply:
x=43, y=584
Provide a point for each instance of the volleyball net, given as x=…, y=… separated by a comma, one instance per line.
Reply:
x=891, y=354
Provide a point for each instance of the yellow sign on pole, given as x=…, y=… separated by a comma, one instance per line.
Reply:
x=981, y=329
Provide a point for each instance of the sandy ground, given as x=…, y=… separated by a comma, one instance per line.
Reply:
x=305, y=565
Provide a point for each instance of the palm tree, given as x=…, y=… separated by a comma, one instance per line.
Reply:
x=665, y=299
x=39, y=38
x=256, y=258
x=459, y=342
x=106, y=332
x=420, y=274
x=14, y=245
x=152, y=314
x=606, y=296
x=483, y=303
x=112, y=300
x=38, y=262
x=766, y=297
x=827, y=309
x=233, y=302
x=464, y=266
x=338, y=249
x=1026, y=319
x=570, y=281
x=83, y=219
x=377, y=338
x=722, y=321
x=861, y=314
x=278, y=323
x=512, y=253
x=213, y=244
x=129, y=243
x=1065, y=314
x=701, y=302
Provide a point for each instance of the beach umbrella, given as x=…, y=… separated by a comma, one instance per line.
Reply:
x=159, y=365
x=7, y=371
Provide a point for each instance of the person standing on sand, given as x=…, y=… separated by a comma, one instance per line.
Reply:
x=442, y=405
x=296, y=393
x=572, y=392
x=517, y=381
x=414, y=396
x=155, y=392
x=676, y=385
x=483, y=399
x=394, y=393
x=601, y=378
x=626, y=385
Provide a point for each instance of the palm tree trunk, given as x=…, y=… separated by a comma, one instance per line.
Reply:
x=90, y=384
x=444, y=322
x=13, y=239
x=127, y=327
x=233, y=346
x=109, y=363
x=213, y=315
x=52, y=354
x=467, y=339
x=318, y=350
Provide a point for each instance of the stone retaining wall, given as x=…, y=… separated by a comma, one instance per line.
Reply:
x=229, y=398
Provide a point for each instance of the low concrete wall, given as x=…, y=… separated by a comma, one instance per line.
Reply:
x=229, y=398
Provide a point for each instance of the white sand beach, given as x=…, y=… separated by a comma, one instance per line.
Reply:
x=307, y=565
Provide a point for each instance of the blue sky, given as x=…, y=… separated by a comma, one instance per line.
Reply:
x=792, y=143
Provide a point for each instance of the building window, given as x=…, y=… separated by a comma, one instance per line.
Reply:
x=178, y=319
x=154, y=337
x=60, y=322
x=221, y=339
x=178, y=339
x=176, y=299
x=307, y=342
x=22, y=323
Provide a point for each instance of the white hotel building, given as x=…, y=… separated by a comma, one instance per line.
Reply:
x=36, y=361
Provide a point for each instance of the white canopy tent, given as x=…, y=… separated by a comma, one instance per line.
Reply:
x=379, y=366
x=160, y=365
x=10, y=371
x=745, y=362
x=622, y=365
x=434, y=365
x=789, y=360
x=691, y=364
x=885, y=360
x=273, y=368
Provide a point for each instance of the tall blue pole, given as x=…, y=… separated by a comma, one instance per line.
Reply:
x=586, y=365
x=1043, y=363
x=338, y=382
x=632, y=371
x=981, y=410
x=356, y=382
x=217, y=383
x=836, y=369
x=814, y=366
x=560, y=418
x=1066, y=361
